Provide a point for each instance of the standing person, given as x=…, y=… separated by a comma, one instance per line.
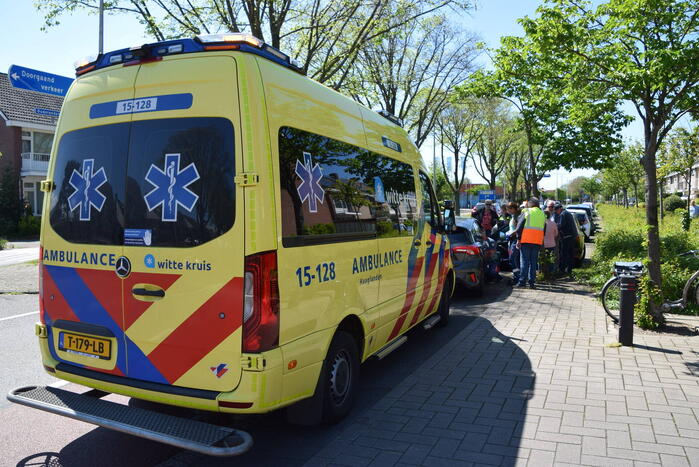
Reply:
x=693, y=209
x=567, y=233
x=551, y=242
x=531, y=231
x=515, y=214
x=549, y=208
x=486, y=216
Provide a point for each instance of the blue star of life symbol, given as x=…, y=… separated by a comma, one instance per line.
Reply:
x=87, y=194
x=310, y=188
x=171, y=187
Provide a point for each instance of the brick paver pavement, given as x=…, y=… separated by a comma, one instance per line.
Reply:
x=532, y=381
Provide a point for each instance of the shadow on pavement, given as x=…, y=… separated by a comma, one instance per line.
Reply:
x=480, y=380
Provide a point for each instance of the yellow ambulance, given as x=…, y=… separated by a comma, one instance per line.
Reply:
x=221, y=232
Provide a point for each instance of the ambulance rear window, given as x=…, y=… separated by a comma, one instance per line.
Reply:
x=165, y=182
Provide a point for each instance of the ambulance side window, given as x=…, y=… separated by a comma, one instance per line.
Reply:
x=430, y=209
x=332, y=191
x=395, y=190
x=326, y=197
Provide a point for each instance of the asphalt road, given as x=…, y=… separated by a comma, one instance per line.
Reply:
x=18, y=255
x=29, y=437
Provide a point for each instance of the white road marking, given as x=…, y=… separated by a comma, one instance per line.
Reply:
x=58, y=384
x=19, y=316
x=18, y=255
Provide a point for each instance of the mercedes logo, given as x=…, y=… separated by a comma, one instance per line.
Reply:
x=123, y=267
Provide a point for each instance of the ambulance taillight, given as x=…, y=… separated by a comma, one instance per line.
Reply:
x=261, y=303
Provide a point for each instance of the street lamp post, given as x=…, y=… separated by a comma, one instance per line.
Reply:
x=101, y=32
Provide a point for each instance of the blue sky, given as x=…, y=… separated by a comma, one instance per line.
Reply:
x=57, y=49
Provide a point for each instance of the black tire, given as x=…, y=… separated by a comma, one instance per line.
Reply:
x=445, y=302
x=690, y=294
x=611, y=298
x=577, y=262
x=478, y=291
x=341, y=373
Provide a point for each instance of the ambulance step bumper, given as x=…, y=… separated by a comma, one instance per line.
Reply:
x=184, y=433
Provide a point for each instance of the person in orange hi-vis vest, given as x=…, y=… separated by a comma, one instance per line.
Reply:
x=530, y=232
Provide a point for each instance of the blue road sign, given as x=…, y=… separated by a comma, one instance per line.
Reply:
x=546, y=175
x=49, y=112
x=39, y=81
x=486, y=194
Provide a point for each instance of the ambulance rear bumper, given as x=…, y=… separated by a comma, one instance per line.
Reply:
x=193, y=435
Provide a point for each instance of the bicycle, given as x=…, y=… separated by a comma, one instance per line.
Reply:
x=611, y=292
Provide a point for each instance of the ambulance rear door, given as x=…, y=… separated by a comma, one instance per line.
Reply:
x=183, y=226
x=80, y=300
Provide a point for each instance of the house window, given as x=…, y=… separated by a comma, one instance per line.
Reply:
x=41, y=143
x=26, y=141
x=37, y=142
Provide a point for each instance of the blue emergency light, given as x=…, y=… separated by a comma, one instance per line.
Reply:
x=210, y=42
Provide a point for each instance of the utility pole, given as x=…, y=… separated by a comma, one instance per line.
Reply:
x=101, y=32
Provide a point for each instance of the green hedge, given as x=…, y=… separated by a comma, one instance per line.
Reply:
x=623, y=239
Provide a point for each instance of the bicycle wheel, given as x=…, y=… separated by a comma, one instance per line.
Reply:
x=611, y=298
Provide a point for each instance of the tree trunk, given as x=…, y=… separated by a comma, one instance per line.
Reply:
x=649, y=166
x=626, y=198
x=689, y=189
x=457, y=203
x=527, y=187
x=635, y=194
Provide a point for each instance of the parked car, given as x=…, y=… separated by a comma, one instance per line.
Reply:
x=467, y=256
x=584, y=222
x=579, y=249
x=588, y=210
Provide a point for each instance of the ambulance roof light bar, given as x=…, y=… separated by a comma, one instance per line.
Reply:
x=241, y=41
x=390, y=117
x=211, y=42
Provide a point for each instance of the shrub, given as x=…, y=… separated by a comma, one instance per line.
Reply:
x=674, y=202
x=624, y=240
x=3, y=243
x=9, y=202
x=619, y=243
x=641, y=204
x=29, y=226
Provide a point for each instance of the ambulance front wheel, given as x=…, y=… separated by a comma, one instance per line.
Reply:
x=341, y=373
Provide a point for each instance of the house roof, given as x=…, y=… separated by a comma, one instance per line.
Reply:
x=25, y=106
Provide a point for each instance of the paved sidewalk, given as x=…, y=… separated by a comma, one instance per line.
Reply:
x=533, y=382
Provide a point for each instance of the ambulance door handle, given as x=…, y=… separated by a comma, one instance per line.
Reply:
x=147, y=292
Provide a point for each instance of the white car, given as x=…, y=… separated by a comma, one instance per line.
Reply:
x=584, y=221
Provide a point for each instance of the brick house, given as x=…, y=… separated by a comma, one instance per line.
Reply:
x=27, y=125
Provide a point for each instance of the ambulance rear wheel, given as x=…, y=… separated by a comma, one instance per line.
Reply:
x=445, y=303
x=341, y=373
